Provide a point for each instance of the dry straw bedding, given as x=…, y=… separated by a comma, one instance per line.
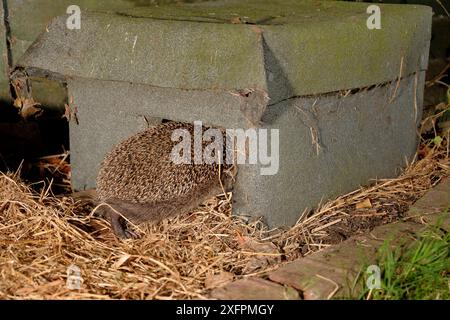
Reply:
x=42, y=235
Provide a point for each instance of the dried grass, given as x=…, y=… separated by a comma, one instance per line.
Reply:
x=42, y=235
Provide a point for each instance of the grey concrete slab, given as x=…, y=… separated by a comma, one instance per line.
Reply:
x=105, y=117
x=29, y=18
x=286, y=70
x=360, y=137
x=183, y=47
x=372, y=56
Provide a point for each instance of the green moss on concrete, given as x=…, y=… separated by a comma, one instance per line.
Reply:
x=335, y=55
x=319, y=46
x=276, y=12
x=29, y=17
x=313, y=46
x=173, y=54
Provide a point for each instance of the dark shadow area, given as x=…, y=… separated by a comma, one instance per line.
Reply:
x=278, y=86
x=38, y=147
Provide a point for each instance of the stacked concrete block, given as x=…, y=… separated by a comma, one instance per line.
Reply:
x=28, y=19
x=345, y=99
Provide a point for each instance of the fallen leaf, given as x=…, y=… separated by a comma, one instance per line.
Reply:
x=236, y=20
x=67, y=114
x=18, y=102
x=255, y=246
x=70, y=113
x=27, y=107
x=240, y=239
x=218, y=280
x=441, y=106
x=365, y=204
x=124, y=258
x=265, y=254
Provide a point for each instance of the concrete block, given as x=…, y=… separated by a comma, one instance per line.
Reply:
x=311, y=70
x=29, y=18
x=346, y=53
x=332, y=143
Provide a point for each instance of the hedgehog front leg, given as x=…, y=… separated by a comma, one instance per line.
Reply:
x=118, y=225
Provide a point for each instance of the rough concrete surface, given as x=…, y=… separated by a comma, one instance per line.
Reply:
x=282, y=69
x=318, y=47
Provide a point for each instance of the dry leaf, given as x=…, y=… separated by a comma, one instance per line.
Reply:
x=240, y=239
x=265, y=253
x=27, y=107
x=441, y=106
x=236, y=20
x=251, y=244
x=365, y=204
x=124, y=258
x=67, y=114
x=424, y=151
x=218, y=280
x=70, y=114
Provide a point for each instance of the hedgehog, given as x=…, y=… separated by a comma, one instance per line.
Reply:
x=139, y=181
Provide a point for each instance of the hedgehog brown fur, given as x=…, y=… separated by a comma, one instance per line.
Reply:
x=139, y=180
